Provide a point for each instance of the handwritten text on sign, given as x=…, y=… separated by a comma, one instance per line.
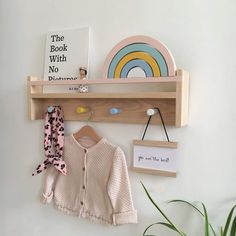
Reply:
x=155, y=158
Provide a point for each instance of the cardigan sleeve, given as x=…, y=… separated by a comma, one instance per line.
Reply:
x=48, y=187
x=119, y=191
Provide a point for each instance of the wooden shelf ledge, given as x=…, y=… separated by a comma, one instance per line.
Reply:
x=105, y=95
x=36, y=81
x=173, y=104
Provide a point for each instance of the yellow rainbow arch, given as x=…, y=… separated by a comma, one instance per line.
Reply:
x=137, y=55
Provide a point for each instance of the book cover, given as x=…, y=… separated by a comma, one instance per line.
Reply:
x=66, y=52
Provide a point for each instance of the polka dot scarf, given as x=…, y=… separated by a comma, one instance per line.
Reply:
x=53, y=141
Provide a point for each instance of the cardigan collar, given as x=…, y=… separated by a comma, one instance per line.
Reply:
x=94, y=146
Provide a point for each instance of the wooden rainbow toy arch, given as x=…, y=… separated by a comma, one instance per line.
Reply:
x=146, y=53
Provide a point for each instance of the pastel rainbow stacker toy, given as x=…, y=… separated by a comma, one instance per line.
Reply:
x=143, y=52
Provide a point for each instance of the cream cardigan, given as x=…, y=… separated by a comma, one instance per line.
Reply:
x=97, y=184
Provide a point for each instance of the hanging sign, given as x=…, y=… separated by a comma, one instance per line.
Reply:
x=155, y=157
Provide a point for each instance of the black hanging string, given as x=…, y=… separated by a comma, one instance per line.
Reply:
x=162, y=121
x=149, y=119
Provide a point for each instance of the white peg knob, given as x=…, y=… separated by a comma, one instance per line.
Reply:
x=151, y=111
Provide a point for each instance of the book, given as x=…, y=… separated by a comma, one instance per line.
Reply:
x=66, y=51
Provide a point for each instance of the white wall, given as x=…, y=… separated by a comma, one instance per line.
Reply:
x=201, y=35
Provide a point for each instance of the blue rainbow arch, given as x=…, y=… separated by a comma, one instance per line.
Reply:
x=136, y=63
x=139, y=51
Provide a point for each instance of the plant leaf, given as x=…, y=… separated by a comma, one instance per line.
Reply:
x=206, y=221
x=195, y=208
x=152, y=201
x=188, y=203
x=228, y=221
x=172, y=228
x=149, y=235
x=162, y=213
x=221, y=231
x=233, y=228
x=148, y=228
x=166, y=225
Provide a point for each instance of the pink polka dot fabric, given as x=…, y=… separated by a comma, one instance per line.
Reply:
x=53, y=141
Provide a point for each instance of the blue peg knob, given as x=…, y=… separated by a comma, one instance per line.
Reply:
x=50, y=109
x=115, y=111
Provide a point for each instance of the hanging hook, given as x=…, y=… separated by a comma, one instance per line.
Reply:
x=150, y=113
x=50, y=109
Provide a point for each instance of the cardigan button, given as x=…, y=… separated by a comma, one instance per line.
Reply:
x=81, y=203
x=85, y=150
x=83, y=186
x=83, y=168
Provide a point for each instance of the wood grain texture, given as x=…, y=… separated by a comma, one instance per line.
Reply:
x=107, y=95
x=109, y=81
x=152, y=143
x=132, y=110
x=154, y=172
x=32, y=104
x=182, y=94
x=133, y=105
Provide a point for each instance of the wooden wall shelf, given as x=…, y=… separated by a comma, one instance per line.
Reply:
x=133, y=105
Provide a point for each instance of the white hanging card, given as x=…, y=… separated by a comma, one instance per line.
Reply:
x=155, y=157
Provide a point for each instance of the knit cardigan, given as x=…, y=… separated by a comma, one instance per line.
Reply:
x=97, y=184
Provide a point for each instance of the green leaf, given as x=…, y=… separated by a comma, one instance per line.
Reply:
x=157, y=223
x=221, y=231
x=233, y=228
x=228, y=221
x=188, y=203
x=166, y=225
x=172, y=228
x=162, y=213
x=195, y=208
x=206, y=221
x=152, y=201
x=148, y=228
x=149, y=235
